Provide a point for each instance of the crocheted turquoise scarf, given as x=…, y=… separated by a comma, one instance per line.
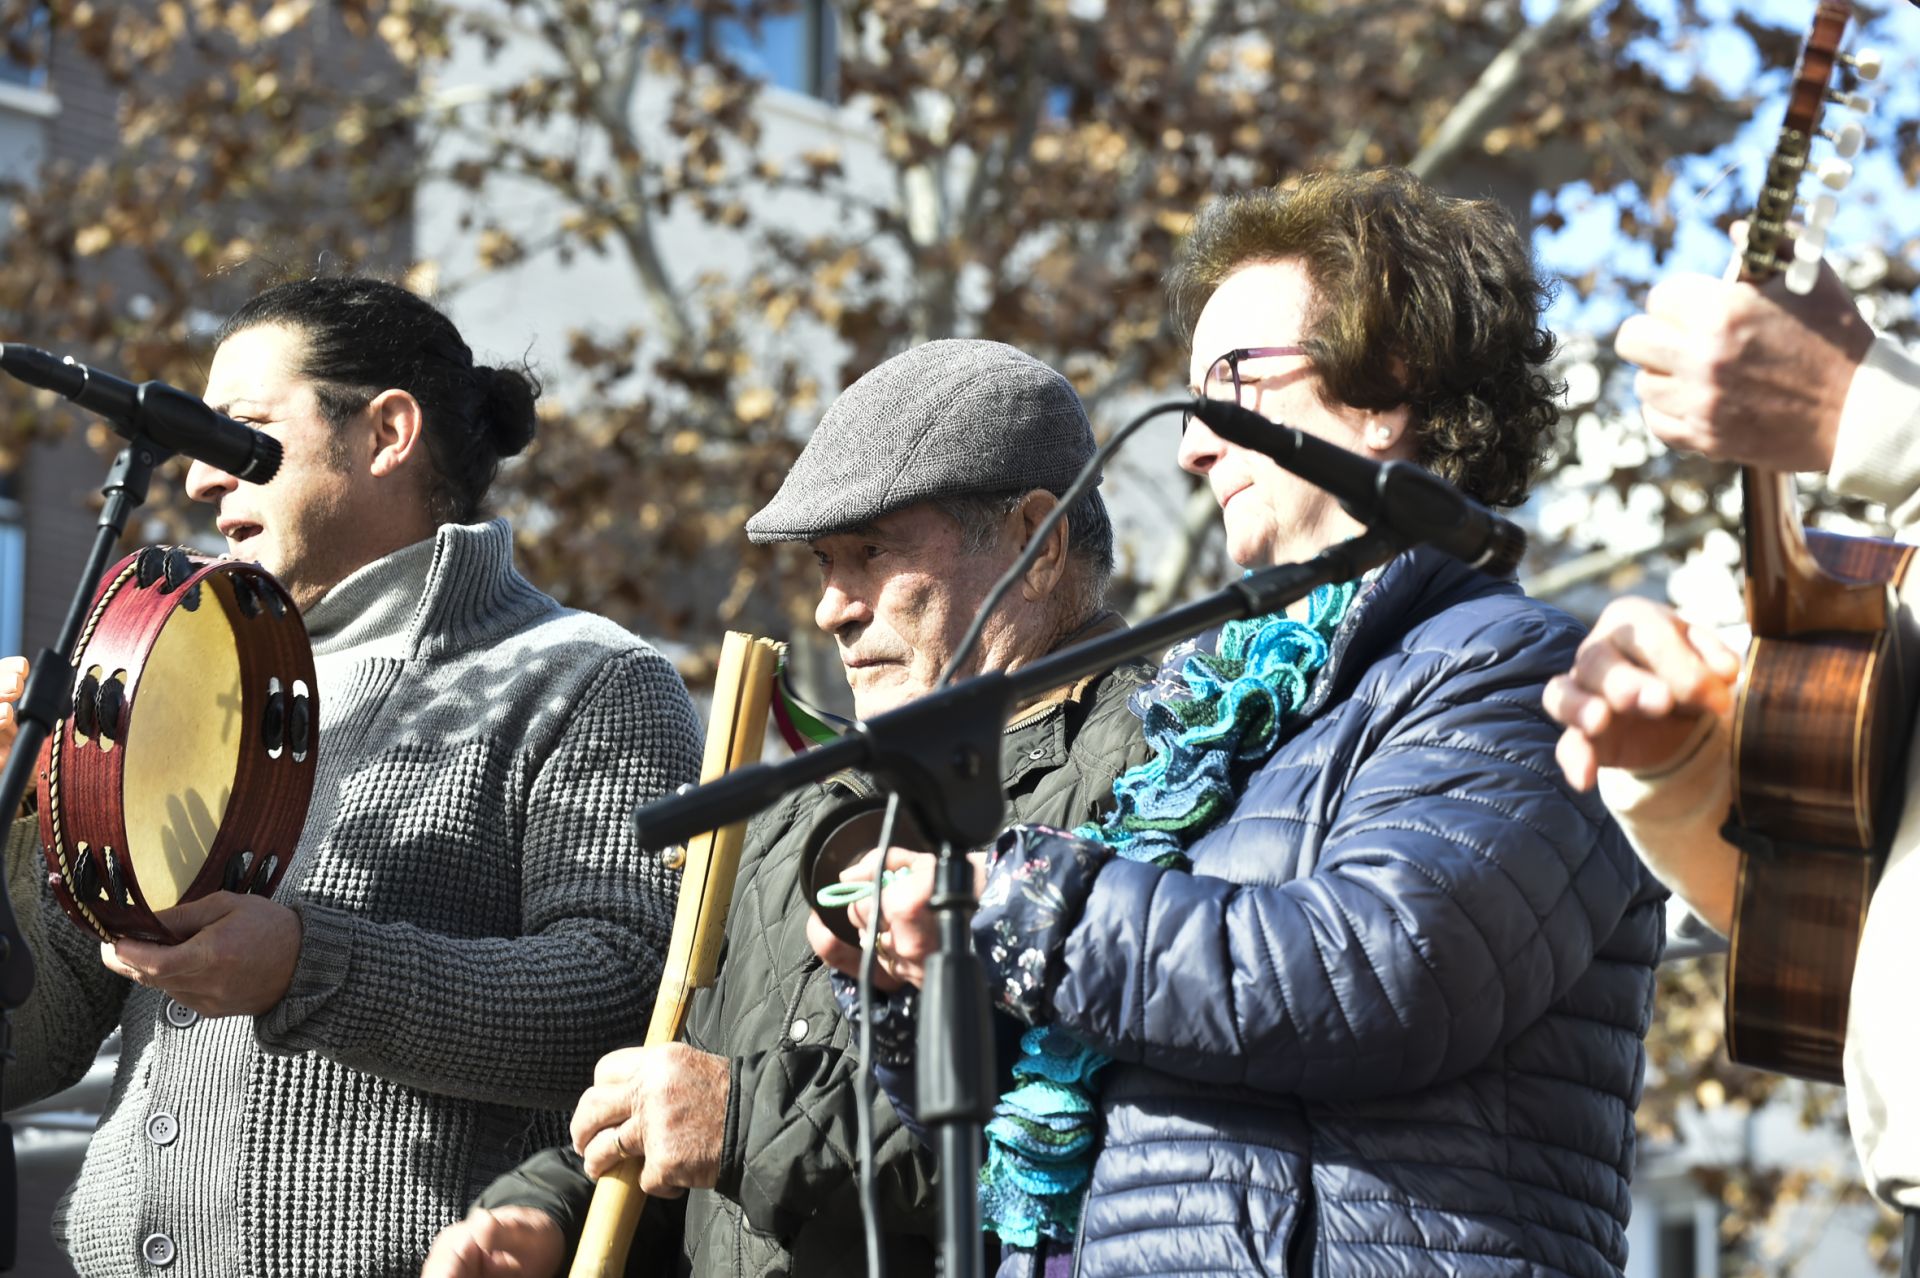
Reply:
x=1211, y=724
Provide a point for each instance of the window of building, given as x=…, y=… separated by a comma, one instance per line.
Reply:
x=1679, y=1248
x=13, y=572
x=24, y=50
x=793, y=49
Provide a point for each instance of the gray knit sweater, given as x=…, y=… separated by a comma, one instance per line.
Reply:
x=478, y=929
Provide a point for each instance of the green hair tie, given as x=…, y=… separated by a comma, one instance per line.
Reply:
x=837, y=895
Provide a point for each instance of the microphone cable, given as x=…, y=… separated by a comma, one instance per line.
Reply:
x=1083, y=483
x=863, y=1087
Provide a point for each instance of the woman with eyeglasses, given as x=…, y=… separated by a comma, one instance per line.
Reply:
x=1351, y=982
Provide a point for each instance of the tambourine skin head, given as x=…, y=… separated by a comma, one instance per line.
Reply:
x=175, y=774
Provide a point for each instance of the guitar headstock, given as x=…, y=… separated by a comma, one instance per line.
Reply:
x=1770, y=247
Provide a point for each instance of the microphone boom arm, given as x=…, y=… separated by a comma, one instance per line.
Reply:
x=941, y=750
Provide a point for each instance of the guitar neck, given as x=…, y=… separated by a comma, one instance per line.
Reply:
x=1789, y=592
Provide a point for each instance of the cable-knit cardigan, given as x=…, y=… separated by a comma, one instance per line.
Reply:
x=478, y=928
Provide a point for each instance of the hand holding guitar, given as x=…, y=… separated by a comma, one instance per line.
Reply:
x=1759, y=370
x=1750, y=374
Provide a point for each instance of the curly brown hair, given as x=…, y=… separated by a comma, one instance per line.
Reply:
x=1420, y=299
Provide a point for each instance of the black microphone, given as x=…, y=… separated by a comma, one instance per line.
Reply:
x=1397, y=495
x=177, y=421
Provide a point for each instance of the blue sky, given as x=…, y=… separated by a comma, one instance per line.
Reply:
x=1877, y=208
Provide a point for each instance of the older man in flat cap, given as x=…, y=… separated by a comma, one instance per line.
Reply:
x=922, y=484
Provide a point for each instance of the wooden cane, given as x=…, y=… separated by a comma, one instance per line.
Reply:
x=735, y=732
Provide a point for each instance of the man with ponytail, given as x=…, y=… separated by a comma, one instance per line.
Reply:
x=314, y=1084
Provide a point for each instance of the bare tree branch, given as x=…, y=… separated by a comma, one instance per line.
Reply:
x=1493, y=93
x=1598, y=565
x=1198, y=518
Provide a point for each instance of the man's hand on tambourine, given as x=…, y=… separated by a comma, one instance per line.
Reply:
x=237, y=960
x=13, y=681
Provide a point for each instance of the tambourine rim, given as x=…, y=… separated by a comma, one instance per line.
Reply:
x=138, y=645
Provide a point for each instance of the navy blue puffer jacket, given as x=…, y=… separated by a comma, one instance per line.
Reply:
x=1390, y=1023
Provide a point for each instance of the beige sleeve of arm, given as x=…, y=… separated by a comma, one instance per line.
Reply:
x=1673, y=817
x=1876, y=454
x=1883, y=1034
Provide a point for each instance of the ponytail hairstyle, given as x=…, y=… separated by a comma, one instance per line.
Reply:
x=365, y=336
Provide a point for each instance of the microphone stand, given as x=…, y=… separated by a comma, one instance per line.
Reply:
x=43, y=703
x=941, y=752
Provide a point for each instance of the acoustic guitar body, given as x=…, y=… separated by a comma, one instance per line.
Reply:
x=1820, y=731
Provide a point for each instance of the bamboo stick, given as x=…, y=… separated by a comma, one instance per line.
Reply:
x=735, y=732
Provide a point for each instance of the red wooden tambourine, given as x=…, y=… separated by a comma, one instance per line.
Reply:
x=186, y=761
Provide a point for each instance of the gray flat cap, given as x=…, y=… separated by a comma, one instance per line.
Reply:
x=947, y=419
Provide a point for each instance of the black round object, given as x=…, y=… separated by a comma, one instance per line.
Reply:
x=842, y=835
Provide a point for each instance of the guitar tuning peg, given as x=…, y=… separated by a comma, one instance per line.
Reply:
x=1859, y=103
x=1834, y=174
x=1866, y=63
x=1821, y=212
x=1809, y=245
x=1801, y=277
x=1846, y=139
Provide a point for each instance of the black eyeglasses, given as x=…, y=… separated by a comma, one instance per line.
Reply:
x=1223, y=375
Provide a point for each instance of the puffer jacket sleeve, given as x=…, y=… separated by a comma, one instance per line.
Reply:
x=1460, y=889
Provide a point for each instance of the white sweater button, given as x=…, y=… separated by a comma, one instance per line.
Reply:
x=163, y=1129
x=158, y=1250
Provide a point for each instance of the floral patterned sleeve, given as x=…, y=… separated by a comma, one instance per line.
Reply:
x=1038, y=881
x=895, y=1018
